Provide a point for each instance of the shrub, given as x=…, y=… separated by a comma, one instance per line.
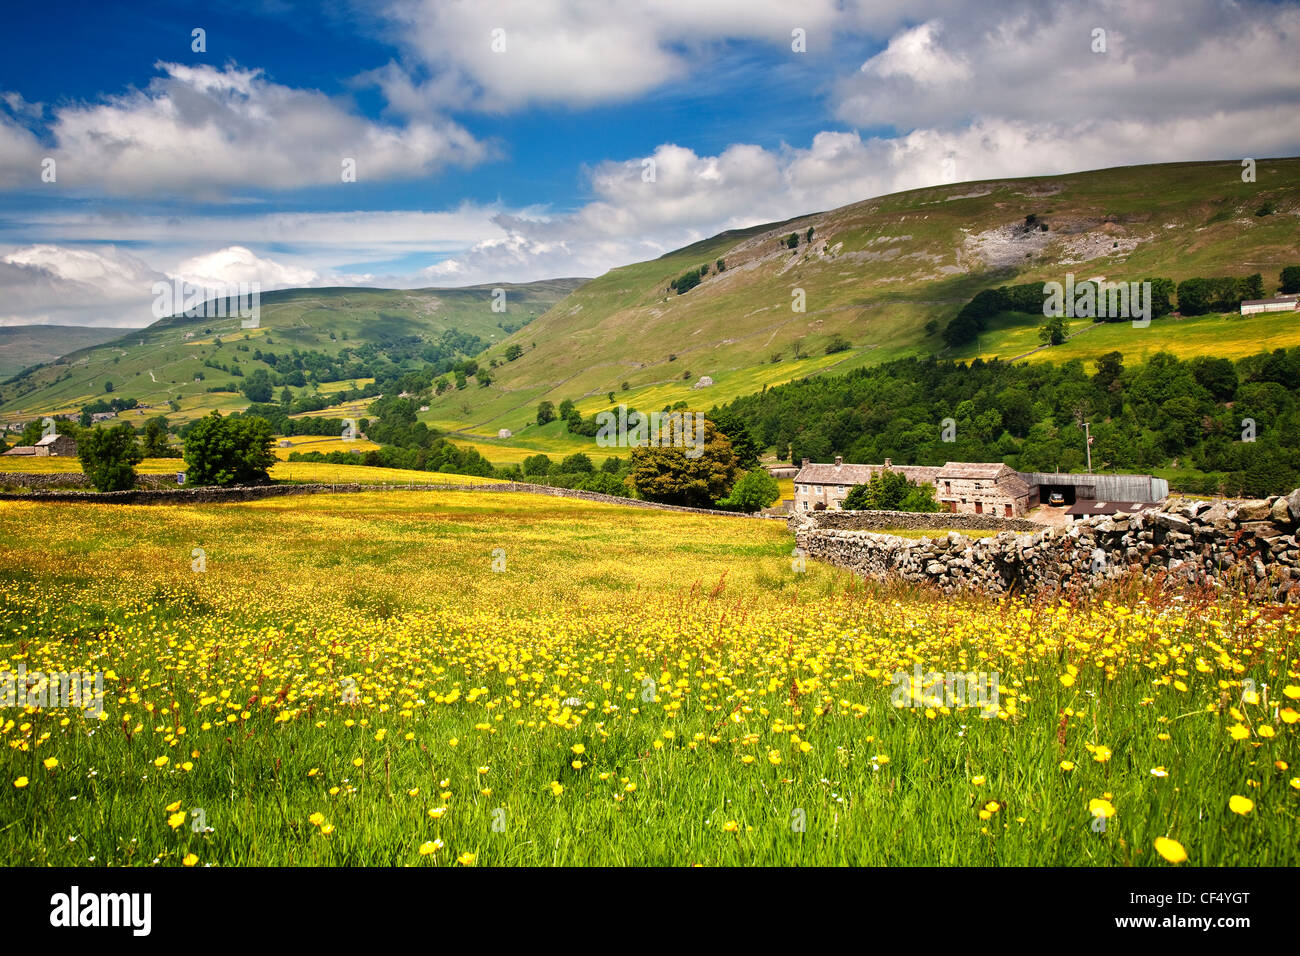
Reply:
x=891, y=491
x=228, y=451
x=755, y=491
x=109, y=456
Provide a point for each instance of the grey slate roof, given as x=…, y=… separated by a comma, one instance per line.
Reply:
x=818, y=474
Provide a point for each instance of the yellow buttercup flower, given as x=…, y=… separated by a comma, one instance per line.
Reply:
x=1101, y=807
x=1240, y=804
x=1171, y=850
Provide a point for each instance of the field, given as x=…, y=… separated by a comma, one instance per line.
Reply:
x=1231, y=336
x=296, y=471
x=444, y=678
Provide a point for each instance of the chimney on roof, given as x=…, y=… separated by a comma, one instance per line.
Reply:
x=839, y=460
x=805, y=461
x=889, y=462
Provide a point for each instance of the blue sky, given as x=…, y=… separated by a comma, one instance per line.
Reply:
x=524, y=161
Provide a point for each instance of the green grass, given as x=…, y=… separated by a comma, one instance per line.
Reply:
x=1229, y=335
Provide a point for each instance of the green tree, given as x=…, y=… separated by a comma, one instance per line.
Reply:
x=670, y=475
x=577, y=463
x=890, y=490
x=109, y=456
x=754, y=491
x=604, y=483
x=545, y=413
x=155, y=438
x=228, y=451
x=1052, y=332
x=513, y=351
x=1290, y=279
x=257, y=387
x=743, y=442
x=537, y=465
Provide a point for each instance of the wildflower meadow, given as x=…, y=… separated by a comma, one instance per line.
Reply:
x=452, y=678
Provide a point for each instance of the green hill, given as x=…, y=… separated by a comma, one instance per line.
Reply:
x=24, y=345
x=877, y=272
x=879, y=280
x=174, y=358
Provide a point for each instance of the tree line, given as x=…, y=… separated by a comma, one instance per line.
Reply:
x=1221, y=426
x=1195, y=296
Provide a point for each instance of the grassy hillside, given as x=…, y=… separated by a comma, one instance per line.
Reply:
x=163, y=362
x=24, y=345
x=877, y=272
x=886, y=275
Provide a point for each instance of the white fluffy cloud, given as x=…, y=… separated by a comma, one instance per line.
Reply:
x=236, y=264
x=56, y=285
x=971, y=92
x=107, y=286
x=200, y=132
x=576, y=52
x=1037, y=64
x=946, y=90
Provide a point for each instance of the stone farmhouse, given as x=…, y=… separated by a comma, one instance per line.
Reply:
x=980, y=488
x=52, y=446
x=960, y=487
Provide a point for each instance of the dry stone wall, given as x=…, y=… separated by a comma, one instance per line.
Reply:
x=914, y=521
x=1244, y=544
x=74, y=479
